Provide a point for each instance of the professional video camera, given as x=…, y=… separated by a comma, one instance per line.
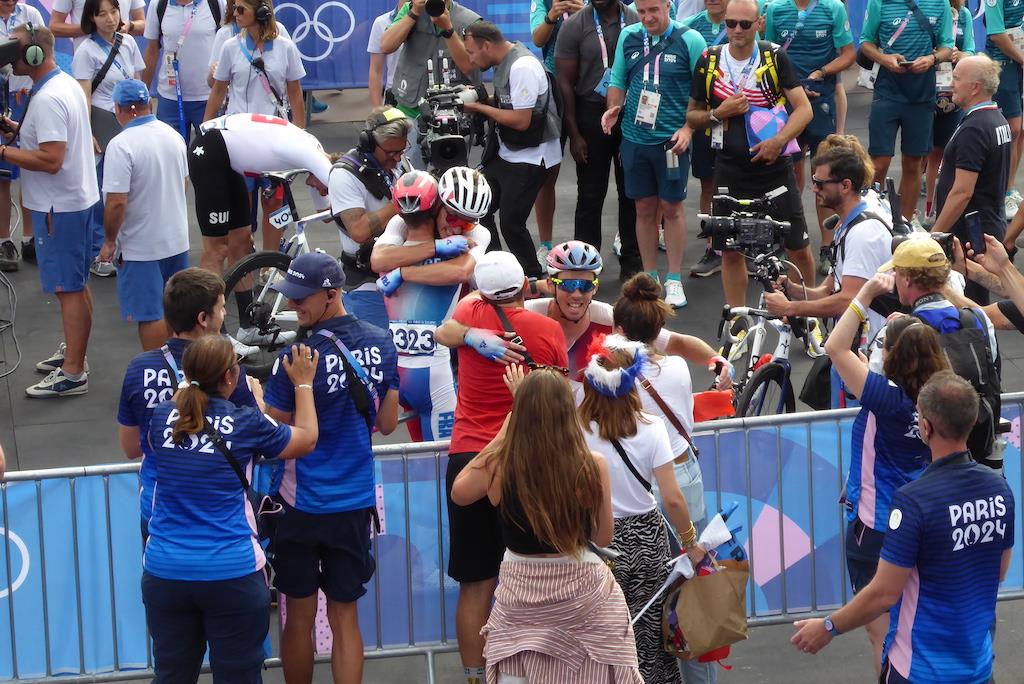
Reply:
x=445, y=129
x=944, y=239
x=747, y=228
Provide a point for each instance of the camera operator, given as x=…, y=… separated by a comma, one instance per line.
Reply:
x=523, y=142
x=730, y=82
x=361, y=199
x=429, y=33
x=976, y=163
x=862, y=243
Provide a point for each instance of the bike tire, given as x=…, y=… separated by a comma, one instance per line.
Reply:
x=258, y=365
x=758, y=399
x=739, y=354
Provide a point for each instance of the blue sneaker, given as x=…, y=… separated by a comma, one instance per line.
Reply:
x=317, y=107
x=57, y=384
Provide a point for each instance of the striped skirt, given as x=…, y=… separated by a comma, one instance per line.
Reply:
x=640, y=571
x=559, y=621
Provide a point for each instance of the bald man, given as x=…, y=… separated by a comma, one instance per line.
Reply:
x=976, y=162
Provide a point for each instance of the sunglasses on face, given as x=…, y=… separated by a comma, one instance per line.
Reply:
x=573, y=284
x=819, y=183
x=456, y=221
x=744, y=24
x=241, y=9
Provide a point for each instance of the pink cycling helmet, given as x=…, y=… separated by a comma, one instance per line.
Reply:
x=414, y=192
x=574, y=256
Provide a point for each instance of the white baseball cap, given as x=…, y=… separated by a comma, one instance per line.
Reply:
x=499, y=276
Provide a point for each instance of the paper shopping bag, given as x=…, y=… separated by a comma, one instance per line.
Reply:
x=707, y=611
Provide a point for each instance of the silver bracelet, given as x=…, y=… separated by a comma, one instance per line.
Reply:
x=304, y=386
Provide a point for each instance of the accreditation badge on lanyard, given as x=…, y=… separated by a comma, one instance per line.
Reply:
x=602, y=87
x=650, y=99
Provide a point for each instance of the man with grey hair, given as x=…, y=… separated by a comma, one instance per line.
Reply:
x=976, y=162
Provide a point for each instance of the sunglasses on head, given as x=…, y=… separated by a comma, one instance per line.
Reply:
x=573, y=284
x=820, y=183
x=744, y=24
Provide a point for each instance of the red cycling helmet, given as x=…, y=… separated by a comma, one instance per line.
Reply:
x=414, y=192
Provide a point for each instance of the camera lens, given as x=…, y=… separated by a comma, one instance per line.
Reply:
x=435, y=8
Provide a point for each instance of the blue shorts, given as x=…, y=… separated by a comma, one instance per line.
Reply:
x=863, y=549
x=822, y=125
x=367, y=305
x=167, y=111
x=140, y=286
x=912, y=120
x=330, y=551
x=945, y=124
x=1008, y=96
x=702, y=157
x=18, y=102
x=646, y=173
x=63, y=249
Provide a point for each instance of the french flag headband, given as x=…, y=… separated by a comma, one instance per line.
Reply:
x=614, y=382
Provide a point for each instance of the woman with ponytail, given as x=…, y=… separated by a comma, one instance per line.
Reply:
x=203, y=581
x=636, y=446
x=552, y=495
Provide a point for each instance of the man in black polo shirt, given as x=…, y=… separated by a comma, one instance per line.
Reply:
x=976, y=162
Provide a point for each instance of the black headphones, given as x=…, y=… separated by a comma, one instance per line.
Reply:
x=32, y=53
x=367, y=141
x=263, y=12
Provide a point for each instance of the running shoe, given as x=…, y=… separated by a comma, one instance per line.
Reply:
x=102, y=269
x=1010, y=206
x=617, y=245
x=709, y=264
x=316, y=106
x=243, y=350
x=28, y=250
x=57, y=384
x=542, y=256
x=55, y=361
x=252, y=336
x=674, y=295
x=9, y=256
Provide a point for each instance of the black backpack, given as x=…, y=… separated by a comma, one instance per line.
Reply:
x=884, y=304
x=971, y=358
x=161, y=9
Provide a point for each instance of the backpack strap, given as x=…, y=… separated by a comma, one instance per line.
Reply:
x=111, y=56
x=161, y=10
x=714, y=56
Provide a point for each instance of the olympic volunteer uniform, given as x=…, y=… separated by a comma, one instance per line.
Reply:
x=203, y=564
x=380, y=25
x=812, y=38
x=152, y=378
x=905, y=101
x=89, y=58
x=702, y=157
x=194, y=27
x=73, y=10
x=225, y=33
x=61, y=202
x=147, y=161
x=538, y=12
x=644, y=131
x=947, y=114
x=229, y=148
x=950, y=527
x=887, y=454
x=248, y=91
x=415, y=312
x=19, y=86
x=323, y=540
x=1005, y=17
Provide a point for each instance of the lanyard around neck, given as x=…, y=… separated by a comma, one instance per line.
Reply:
x=107, y=49
x=741, y=82
x=657, y=60
x=600, y=34
x=899, y=29
x=801, y=19
x=186, y=28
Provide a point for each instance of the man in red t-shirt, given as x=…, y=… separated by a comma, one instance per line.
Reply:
x=477, y=330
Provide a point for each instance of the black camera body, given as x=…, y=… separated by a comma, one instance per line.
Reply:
x=435, y=8
x=944, y=239
x=445, y=126
x=747, y=228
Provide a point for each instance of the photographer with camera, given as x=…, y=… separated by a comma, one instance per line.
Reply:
x=731, y=83
x=862, y=243
x=975, y=164
x=523, y=141
x=429, y=33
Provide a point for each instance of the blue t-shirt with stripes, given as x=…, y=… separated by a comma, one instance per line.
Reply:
x=337, y=475
x=887, y=451
x=147, y=382
x=675, y=73
x=824, y=31
x=203, y=527
x=882, y=22
x=1000, y=17
x=950, y=527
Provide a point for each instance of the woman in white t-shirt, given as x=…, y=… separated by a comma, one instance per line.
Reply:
x=229, y=29
x=636, y=447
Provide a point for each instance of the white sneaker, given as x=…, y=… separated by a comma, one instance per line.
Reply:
x=1016, y=196
x=617, y=245
x=542, y=257
x=242, y=350
x=102, y=269
x=1010, y=207
x=661, y=240
x=254, y=337
x=674, y=295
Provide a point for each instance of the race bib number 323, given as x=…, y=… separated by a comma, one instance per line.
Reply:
x=413, y=339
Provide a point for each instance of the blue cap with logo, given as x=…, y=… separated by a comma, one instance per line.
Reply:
x=130, y=91
x=308, y=274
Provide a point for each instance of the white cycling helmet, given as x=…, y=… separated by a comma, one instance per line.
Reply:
x=465, y=191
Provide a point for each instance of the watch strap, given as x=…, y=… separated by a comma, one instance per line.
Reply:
x=447, y=33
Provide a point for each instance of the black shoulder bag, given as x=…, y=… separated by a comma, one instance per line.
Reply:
x=632, y=468
x=103, y=123
x=507, y=325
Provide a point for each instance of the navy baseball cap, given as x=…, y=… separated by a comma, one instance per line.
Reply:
x=129, y=92
x=308, y=274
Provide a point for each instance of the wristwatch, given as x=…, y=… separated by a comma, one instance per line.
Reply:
x=711, y=115
x=447, y=34
x=548, y=20
x=830, y=627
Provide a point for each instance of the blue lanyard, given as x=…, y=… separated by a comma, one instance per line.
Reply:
x=857, y=211
x=600, y=34
x=721, y=35
x=801, y=18
x=744, y=74
x=107, y=47
x=180, y=377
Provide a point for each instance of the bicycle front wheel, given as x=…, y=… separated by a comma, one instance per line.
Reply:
x=769, y=392
x=271, y=325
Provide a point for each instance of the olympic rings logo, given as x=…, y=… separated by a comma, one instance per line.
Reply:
x=23, y=572
x=319, y=27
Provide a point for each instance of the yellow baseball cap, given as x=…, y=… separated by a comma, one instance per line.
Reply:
x=916, y=252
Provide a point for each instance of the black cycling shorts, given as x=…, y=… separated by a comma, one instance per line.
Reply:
x=222, y=200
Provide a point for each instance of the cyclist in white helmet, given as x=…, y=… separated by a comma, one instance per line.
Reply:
x=425, y=255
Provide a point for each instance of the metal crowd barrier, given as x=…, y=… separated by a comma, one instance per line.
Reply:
x=72, y=551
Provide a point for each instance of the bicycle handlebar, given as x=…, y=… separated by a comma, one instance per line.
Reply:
x=284, y=176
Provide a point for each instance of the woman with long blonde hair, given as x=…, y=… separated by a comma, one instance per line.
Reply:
x=553, y=497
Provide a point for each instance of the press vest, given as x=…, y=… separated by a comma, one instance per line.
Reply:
x=545, y=122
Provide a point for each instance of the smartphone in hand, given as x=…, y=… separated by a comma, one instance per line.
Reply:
x=975, y=235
